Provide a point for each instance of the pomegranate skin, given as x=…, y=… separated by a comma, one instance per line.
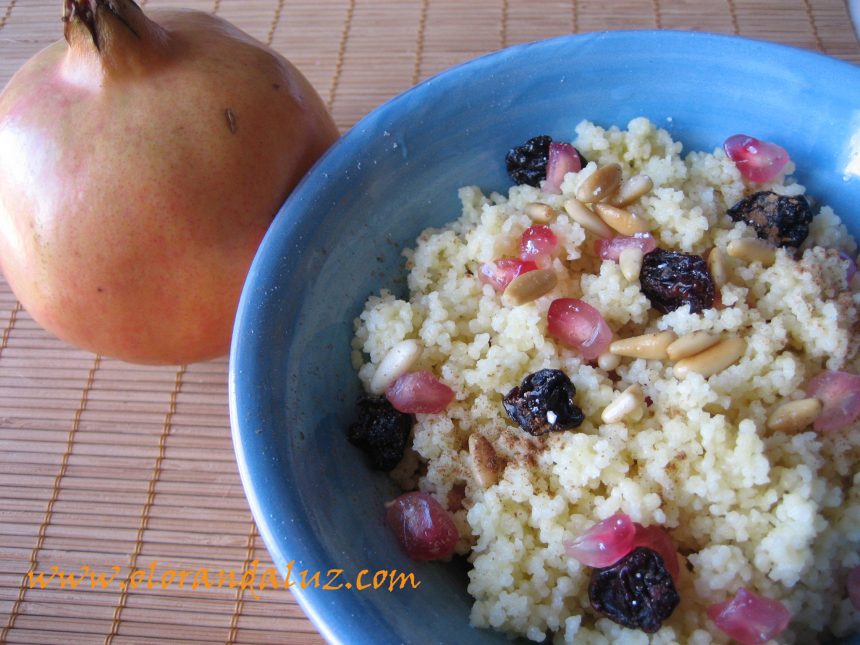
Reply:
x=139, y=177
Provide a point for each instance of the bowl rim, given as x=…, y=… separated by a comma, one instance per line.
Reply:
x=322, y=613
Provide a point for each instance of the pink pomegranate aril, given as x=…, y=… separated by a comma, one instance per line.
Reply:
x=419, y=392
x=851, y=265
x=853, y=584
x=608, y=541
x=657, y=539
x=422, y=526
x=749, y=618
x=562, y=159
x=611, y=249
x=757, y=161
x=537, y=244
x=580, y=326
x=500, y=273
x=605, y=543
x=839, y=393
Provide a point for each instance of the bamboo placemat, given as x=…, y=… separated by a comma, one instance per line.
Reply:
x=116, y=467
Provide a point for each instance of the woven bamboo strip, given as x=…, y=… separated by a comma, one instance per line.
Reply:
x=150, y=498
x=240, y=592
x=55, y=491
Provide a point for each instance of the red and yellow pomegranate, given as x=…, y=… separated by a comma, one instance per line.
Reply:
x=142, y=160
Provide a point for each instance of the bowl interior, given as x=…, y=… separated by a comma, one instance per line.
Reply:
x=338, y=239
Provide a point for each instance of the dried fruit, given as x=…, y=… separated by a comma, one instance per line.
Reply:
x=636, y=592
x=381, y=431
x=749, y=618
x=671, y=279
x=422, y=526
x=526, y=164
x=578, y=325
x=543, y=402
x=500, y=273
x=782, y=220
x=756, y=160
x=419, y=392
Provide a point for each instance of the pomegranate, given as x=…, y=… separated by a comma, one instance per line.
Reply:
x=839, y=393
x=422, y=526
x=757, y=160
x=578, y=325
x=143, y=158
x=562, y=159
x=500, y=273
x=419, y=392
x=749, y=618
x=608, y=541
x=537, y=244
x=605, y=543
x=612, y=248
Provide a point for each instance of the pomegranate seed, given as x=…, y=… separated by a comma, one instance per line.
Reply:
x=422, y=526
x=499, y=274
x=563, y=158
x=611, y=249
x=839, y=393
x=605, y=543
x=416, y=392
x=608, y=541
x=756, y=160
x=657, y=539
x=854, y=587
x=578, y=325
x=537, y=244
x=749, y=618
x=851, y=268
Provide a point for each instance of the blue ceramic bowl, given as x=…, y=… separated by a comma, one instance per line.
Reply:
x=338, y=239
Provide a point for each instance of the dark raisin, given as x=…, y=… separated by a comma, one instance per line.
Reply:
x=636, y=592
x=544, y=402
x=671, y=280
x=526, y=164
x=381, y=431
x=782, y=220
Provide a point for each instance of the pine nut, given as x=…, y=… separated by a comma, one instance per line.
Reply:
x=649, y=346
x=608, y=361
x=713, y=360
x=600, y=184
x=717, y=268
x=630, y=263
x=751, y=250
x=625, y=403
x=691, y=344
x=395, y=364
x=631, y=189
x=486, y=464
x=794, y=416
x=621, y=220
x=585, y=217
x=529, y=286
x=540, y=213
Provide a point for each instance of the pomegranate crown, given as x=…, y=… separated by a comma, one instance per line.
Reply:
x=86, y=12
